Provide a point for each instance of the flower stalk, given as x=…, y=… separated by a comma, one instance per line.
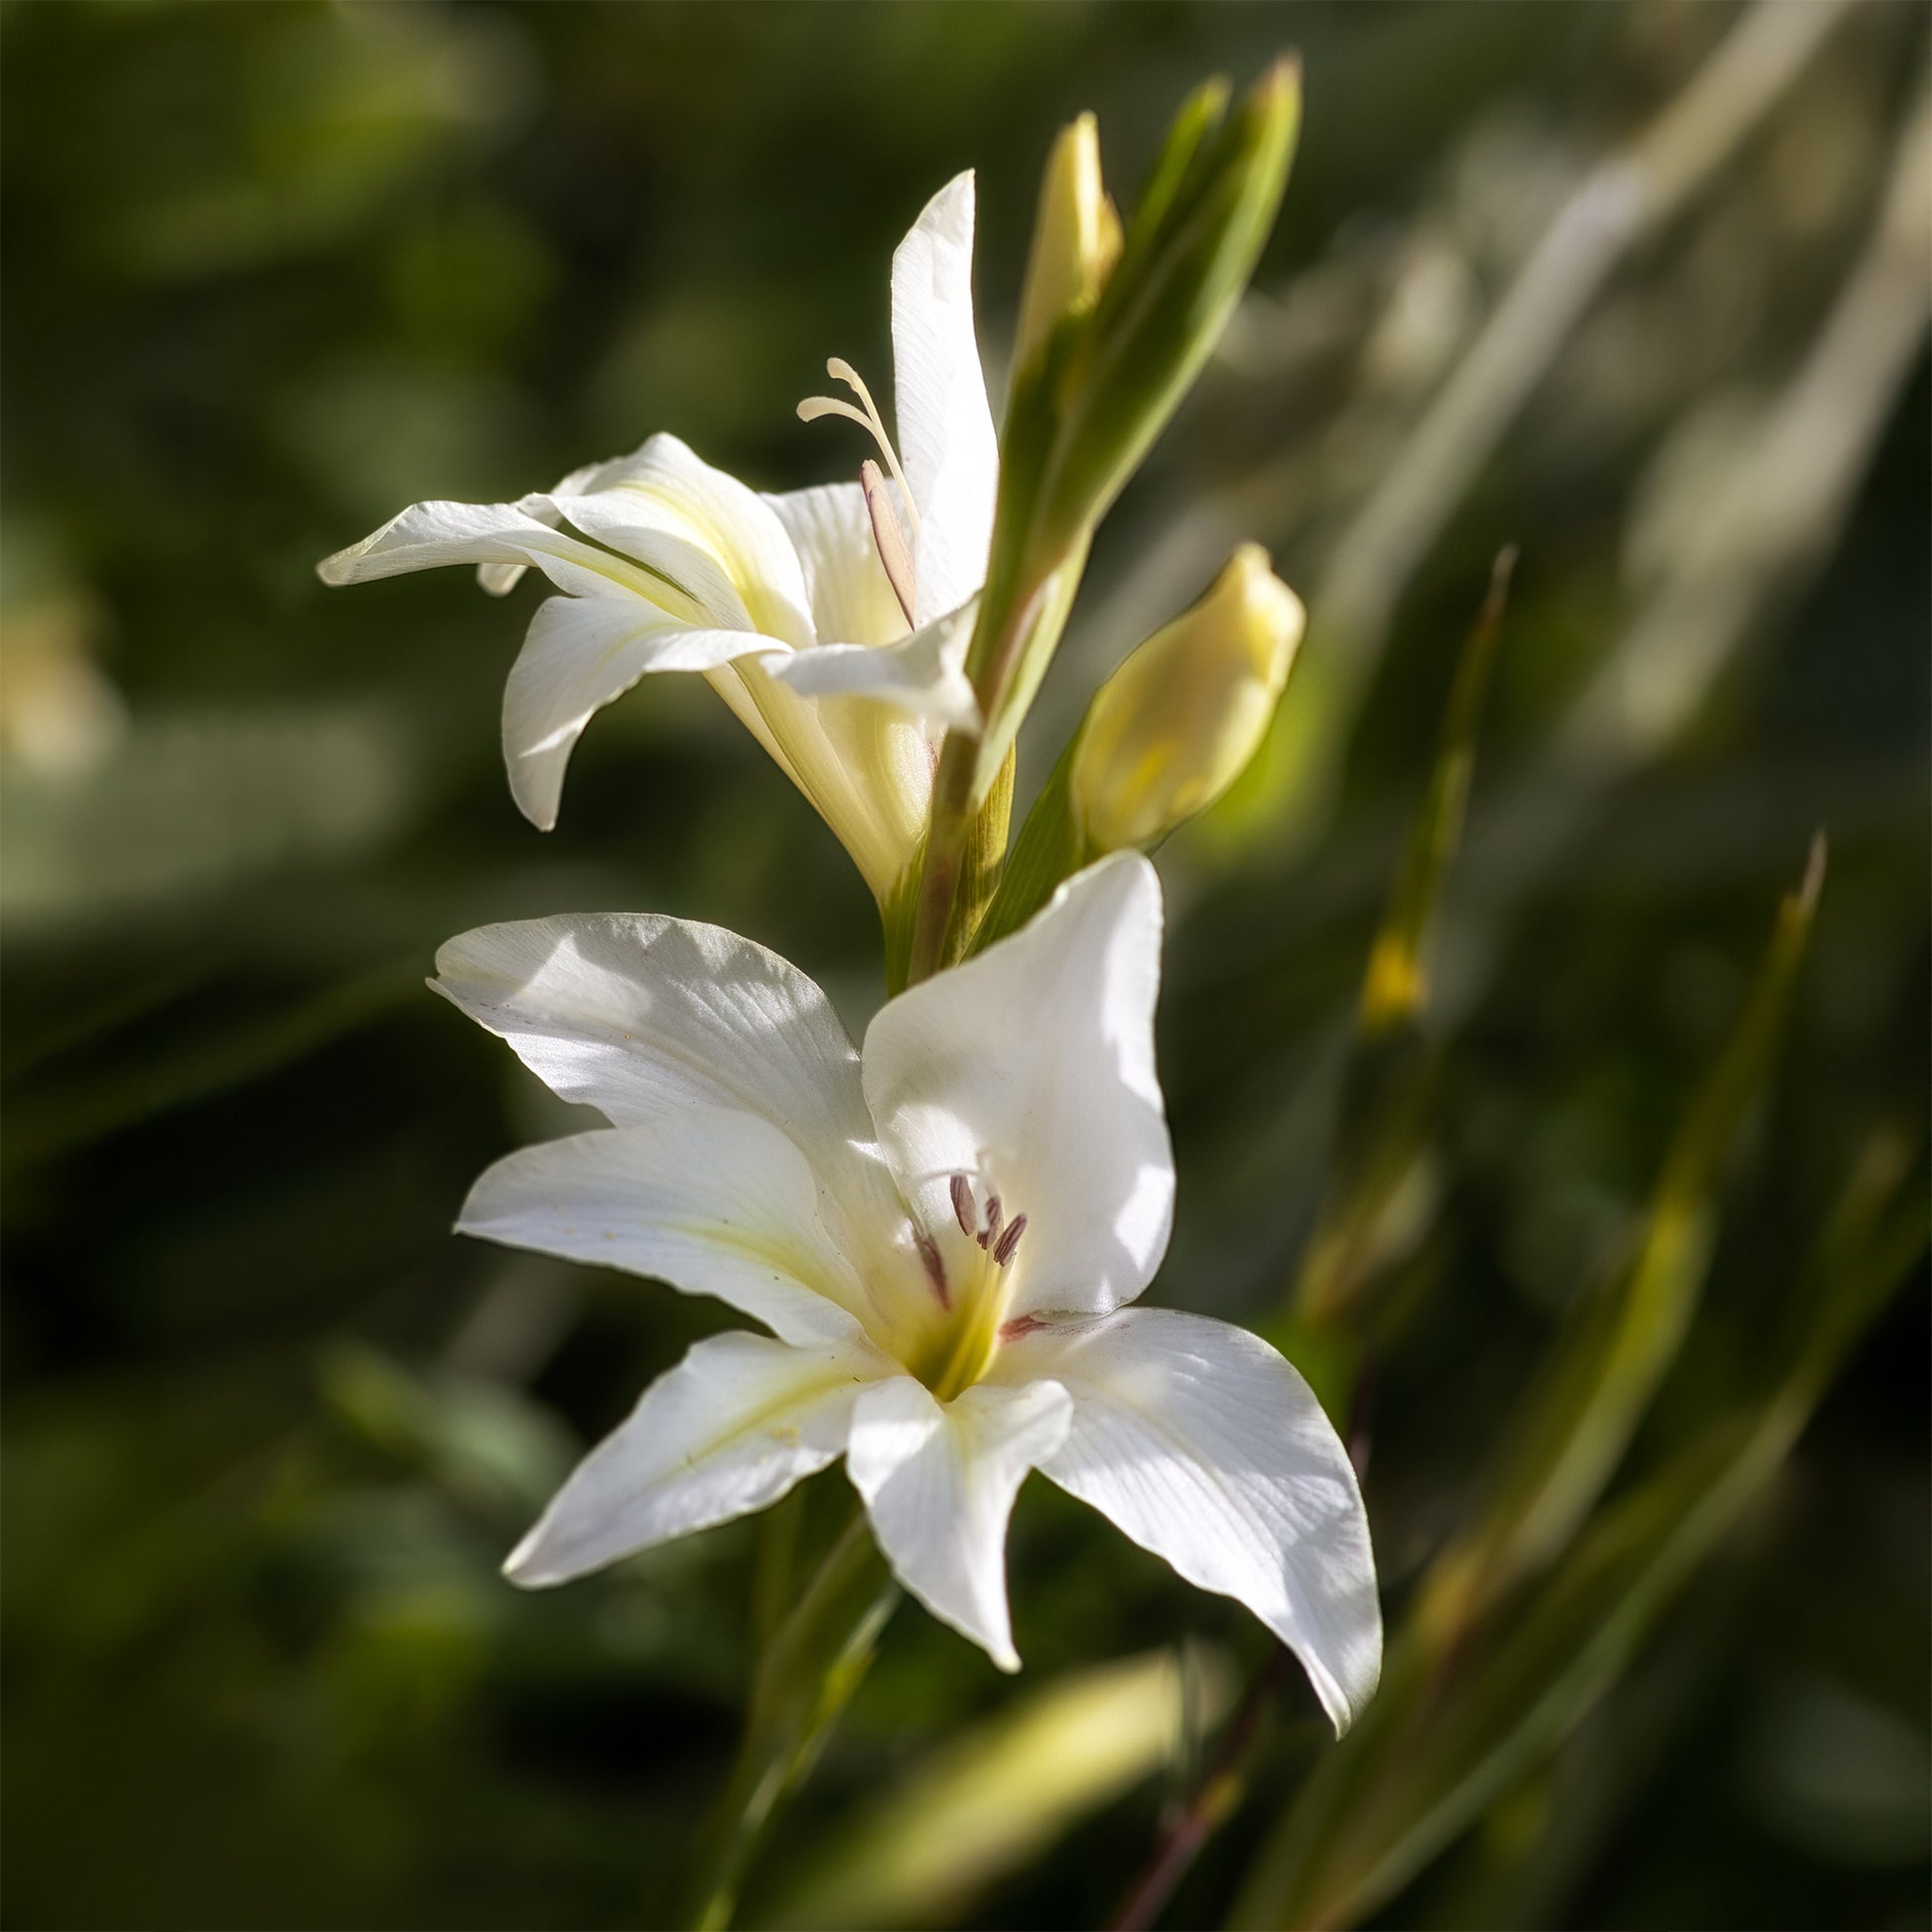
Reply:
x=815, y=1660
x=1114, y=332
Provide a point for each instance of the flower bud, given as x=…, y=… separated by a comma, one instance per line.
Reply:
x=1188, y=256
x=1077, y=240
x=1175, y=726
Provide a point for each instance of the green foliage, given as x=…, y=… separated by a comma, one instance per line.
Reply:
x=1573, y=1427
x=994, y=1800
x=1458, y=1718
x=269, y=1431
x=1389, y=1083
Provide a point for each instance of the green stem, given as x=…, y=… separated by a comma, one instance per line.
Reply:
x=945, y=855
x=816, y=1660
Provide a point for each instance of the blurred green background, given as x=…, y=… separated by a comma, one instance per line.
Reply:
x=272, y=272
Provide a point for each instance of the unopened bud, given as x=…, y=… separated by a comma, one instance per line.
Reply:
x=1189, y=253
x=1077, y=240
x=1176, y=724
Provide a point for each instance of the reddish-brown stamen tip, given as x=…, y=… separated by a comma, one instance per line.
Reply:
x=991, y=1232
x=935, y=1268
x=1010, y=1240
x=962, y=1205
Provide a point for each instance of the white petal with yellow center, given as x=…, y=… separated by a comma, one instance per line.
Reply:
x=908, y=1222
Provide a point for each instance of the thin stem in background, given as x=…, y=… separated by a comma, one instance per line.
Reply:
x=1217, y=1792
x=816, y=1660
x=1624, y=199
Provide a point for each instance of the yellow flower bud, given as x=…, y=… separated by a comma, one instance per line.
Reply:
x=1076, y=238
x=1173, y=726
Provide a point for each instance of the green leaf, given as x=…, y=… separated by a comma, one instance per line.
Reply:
x=1390, y=1079
x=993, y=1801
x=482, y=1441
x=180, y=1074
x=1451, y=1731
x=1573, y=1428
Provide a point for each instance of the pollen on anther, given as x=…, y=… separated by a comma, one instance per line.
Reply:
x=1003, y=1249
x=962, y=1205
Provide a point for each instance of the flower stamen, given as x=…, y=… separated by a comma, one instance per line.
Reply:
x=984, y=1290
x=934, y=1265
x=888, y=538
x=989, y=1233
x=1005, y=1247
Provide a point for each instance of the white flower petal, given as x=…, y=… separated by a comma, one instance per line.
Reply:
x=728, y=1431
x=713, y=1202
x=866, y=768
x=852, y=600
x=921, y=675
x=500, y=578
x=581, y=652
x=713, y=537
x=1206, y=1448
x=939, y=1486
x=945, y=429
x=427, y=535
x=1031, y=1068
x=647, y=1018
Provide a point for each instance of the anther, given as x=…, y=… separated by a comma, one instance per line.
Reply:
x=887, y=537
x=1003, y=1249
x=962, y=1205
x=935, y=1268
x=991, y=1232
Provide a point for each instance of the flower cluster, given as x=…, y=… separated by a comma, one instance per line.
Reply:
x=942, y=1231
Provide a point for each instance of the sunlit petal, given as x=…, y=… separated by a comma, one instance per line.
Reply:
x=852, y=600
x=580, y=653
x=714, y=1203
x=1206, y=1446
x=703, y=530
x=728, y=1431
x=921, y=675
x=945, y=429
x=648, y=1017
x=428, y=535
x=939, y=1484
x=1031, y=1070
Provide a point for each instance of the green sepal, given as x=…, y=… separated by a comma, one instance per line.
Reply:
x=1050, y=848
x=1186, y=262
x=1204, y=109
x=1079, y=419
x=897, y=913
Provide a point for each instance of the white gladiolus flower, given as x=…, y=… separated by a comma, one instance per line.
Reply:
x=942, y=1232
x=835, y=633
